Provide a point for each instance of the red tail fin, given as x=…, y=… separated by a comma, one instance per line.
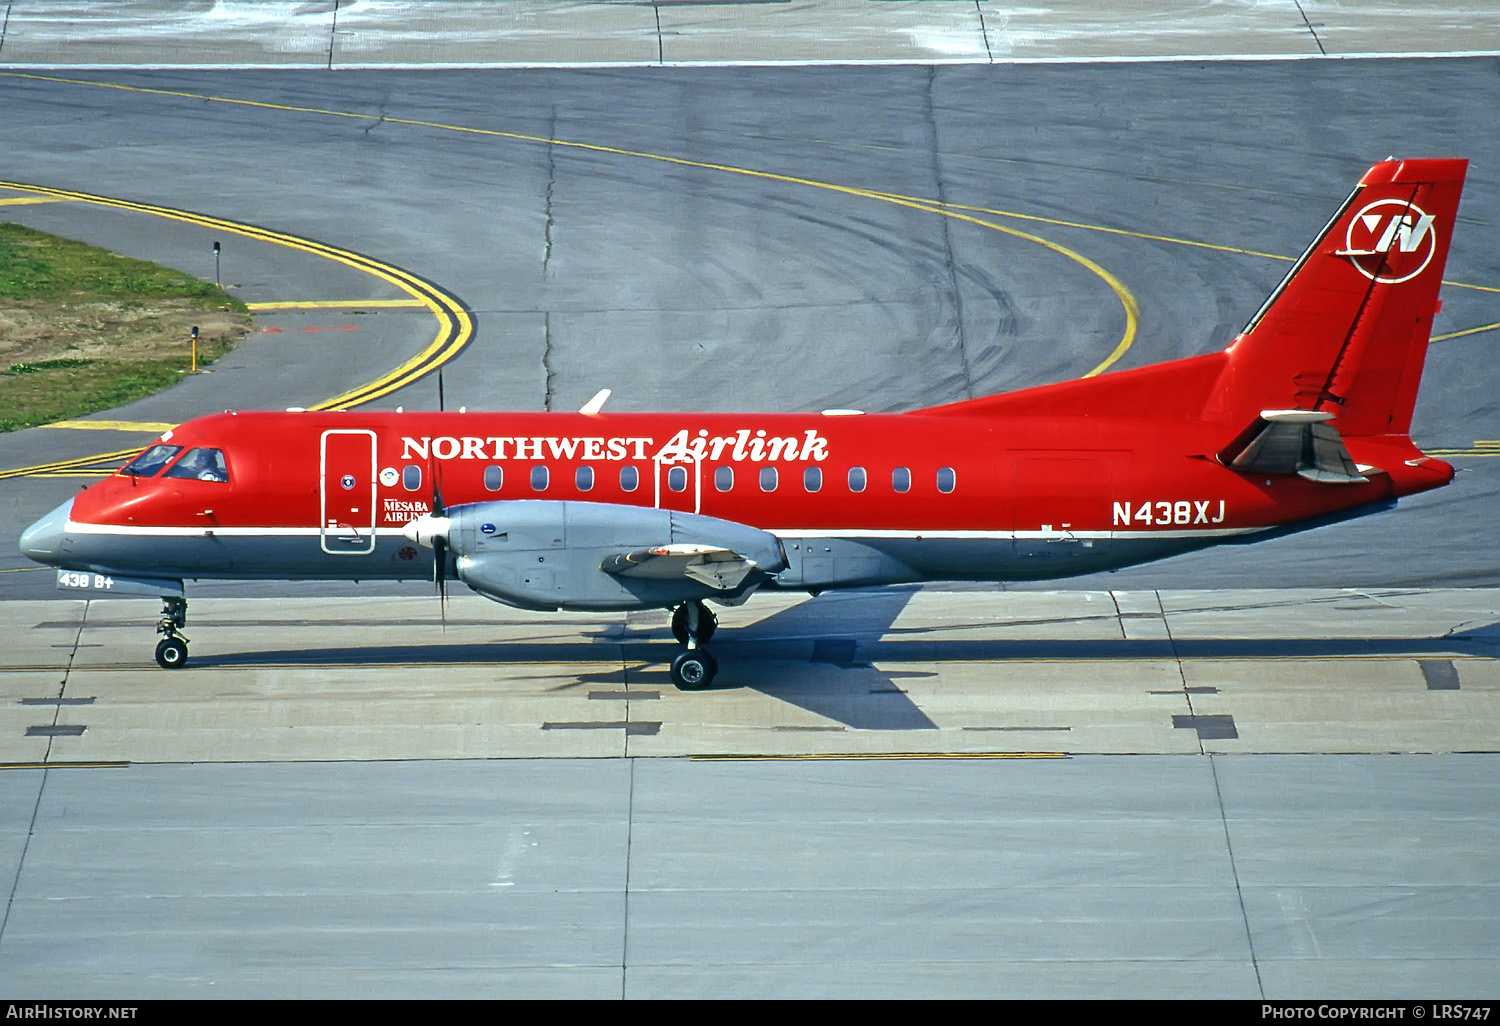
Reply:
x=1346, y=331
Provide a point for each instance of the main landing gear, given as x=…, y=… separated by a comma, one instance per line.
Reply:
x=172, y=649
x=693, y=623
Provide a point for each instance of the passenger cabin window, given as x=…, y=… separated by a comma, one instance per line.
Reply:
x=724, y=478
x=539, y=479
x=583, y=477
x=812, y=479
x=768, y=479
x=630, y=479
x=945, y=479
x=150, y=462
x=856, y=479
x=411, y=477
x=494, y=478
x=901, y=479
x=201, y=465
x=677, y=478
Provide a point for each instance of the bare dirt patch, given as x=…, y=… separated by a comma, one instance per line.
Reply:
x=82, y=329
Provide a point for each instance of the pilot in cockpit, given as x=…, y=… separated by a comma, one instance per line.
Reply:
x=202, y=464
x=197, y=464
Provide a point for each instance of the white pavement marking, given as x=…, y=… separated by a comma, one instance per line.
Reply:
x=383, y=34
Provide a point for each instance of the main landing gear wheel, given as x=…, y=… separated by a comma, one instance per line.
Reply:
x=693, y=624
x=172, y=653
x=694, y=669
x=693, y=619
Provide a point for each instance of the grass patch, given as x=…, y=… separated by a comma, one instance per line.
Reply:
x=72, y=388
x=39, y=267
x=83, y=329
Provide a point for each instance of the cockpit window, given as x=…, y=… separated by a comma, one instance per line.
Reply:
x=148, y=463
x=201, y=465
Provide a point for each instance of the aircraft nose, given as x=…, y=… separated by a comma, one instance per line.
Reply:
x=43, y=540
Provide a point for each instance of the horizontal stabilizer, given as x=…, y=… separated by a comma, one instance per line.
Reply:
x=718, y=568
x=1298, y=442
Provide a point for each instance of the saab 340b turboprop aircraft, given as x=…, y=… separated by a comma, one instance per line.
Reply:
x=1305, y=418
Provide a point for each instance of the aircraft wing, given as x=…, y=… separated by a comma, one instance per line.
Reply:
x=1298, y=442
x=719, y=568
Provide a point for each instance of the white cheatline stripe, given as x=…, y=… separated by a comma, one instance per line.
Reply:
x=77, y=527
x=850, y=534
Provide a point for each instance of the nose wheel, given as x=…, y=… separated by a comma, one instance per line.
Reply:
x=694, y=667
x=172, y=649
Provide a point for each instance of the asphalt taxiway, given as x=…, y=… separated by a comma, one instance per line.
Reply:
x=1215, y=794
x=716, y=237
x=1119, y=788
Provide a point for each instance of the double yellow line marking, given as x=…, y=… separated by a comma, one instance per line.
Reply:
x=1131, y=307
x=96, y=465
x=956, y=211
x=454, y=322
x=1483, y=447
x=455, y=325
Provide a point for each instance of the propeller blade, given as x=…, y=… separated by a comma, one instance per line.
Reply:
x=439, y=561
x=438, y=523
x=440, y=577
x=436, y=469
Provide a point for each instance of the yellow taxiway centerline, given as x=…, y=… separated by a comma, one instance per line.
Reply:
x=930, y=206
x=1466, y=331
x=154, y=427
x=63, y=765
x=455, y=326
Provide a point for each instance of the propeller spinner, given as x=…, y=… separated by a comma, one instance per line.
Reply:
x=428, y=530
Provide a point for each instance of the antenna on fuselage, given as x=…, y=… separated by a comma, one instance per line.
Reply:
x=440, y=390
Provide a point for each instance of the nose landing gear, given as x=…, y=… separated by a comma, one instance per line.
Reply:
x=694, y=667
x=172, y=649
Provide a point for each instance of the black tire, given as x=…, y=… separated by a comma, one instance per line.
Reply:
x=694, y=669
x=171, y=653
x=707, y=623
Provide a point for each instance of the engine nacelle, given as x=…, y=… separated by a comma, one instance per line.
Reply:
x=545, y=554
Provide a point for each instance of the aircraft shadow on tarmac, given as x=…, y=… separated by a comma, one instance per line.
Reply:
x=853, y=691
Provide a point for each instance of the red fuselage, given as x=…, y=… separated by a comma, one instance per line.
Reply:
x=332, y=479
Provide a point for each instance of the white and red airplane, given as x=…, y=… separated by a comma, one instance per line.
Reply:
x=1304, y=419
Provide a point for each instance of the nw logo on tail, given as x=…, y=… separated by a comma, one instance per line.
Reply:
x=1390, y=241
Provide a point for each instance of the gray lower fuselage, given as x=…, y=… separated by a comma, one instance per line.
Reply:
x=543, y=569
